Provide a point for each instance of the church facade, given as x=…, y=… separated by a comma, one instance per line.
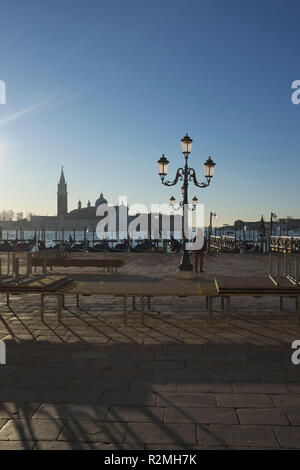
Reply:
x=78, y=219
x=83, y=218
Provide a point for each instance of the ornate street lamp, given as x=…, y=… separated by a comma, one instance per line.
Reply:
x=185, y=174
x=195, y=201
x=162, y=166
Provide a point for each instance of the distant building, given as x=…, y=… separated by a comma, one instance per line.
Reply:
x=62, y=196
x=284, y=223
x=83, y=217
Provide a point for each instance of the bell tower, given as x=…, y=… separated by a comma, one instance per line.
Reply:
x=62, y=196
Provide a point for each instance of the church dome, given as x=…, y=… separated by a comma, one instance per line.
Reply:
x=101, y=200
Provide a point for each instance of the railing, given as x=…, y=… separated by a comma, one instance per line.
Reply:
x=284, y=244
x=229, y=244
x=215, y=243
x=224, y=243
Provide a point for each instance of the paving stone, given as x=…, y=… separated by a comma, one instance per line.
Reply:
x=17, y=409
x=90, y=354
x=288, y=436
x=215, y=387
x=114, y=363
x=265, y=416
x=287, y=401
x=61, y=445
x=147, y=385
x=99, y=384
x=17, y=445
x=294, y=415
x=263, y=365
x=70, y=396
x=293, y=387
x=64, y=372
x=64, y=445
x=71, y=411
x=128, y=398
x=77, y=362
x=135, y=414
x=186, y=399
x=137, y=374
x=41, y=382
x=183, y=447
x=156, y=365
x=93, y=431
x=179, y=376
x=150, y=433
x=232, y=376
x=236, y=435
x=212, y=365
x=200, y=415
x=259, y=387
x=20, y=394
x=31, y=429
x=238, y=400
x=279, y=376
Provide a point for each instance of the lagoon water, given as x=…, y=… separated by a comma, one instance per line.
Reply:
x=52, y=237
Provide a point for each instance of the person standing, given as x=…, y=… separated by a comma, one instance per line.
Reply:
x=199, y=256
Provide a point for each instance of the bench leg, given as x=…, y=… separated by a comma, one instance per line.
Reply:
x=281, y=303
x=133, y=303
x=125, y=309
x=149, y=303
x=42, y=307
x=298, y=311
x=210, y=301
x=77, y=300
x=59, y=307
x=206, y=302
x=222, y=302
x=228, y=306
x=142, y=310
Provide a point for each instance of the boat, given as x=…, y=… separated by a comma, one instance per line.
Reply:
x=102, y=246
x=175, y=245
x=123, y=246
x=143, y=246
x=5, y=246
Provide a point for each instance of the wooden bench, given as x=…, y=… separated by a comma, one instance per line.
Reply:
x=257, y=287
x=142, y=290
x=109, y=263
x=43, y=285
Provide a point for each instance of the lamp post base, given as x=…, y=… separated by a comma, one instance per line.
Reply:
x=186, y=275
x=185, y=264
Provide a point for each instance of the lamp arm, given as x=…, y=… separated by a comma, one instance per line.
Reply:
x=179, y=175
x=192, y=176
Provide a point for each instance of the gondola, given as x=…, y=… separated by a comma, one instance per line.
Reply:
x=99, y=247
x=5, y=246
x=25, y=246
x=123, y=246
x=175, y=245
x=143, y=246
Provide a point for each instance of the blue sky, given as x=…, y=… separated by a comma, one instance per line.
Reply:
x=105, y=88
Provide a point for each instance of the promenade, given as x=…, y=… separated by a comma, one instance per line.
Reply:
x=175, y=382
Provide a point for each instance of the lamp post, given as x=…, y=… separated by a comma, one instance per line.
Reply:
x=185, y=174
x=212, y=215
x=262, y=233
x=272, y=219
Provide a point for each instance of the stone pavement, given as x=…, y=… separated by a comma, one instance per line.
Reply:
x=175, y=382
